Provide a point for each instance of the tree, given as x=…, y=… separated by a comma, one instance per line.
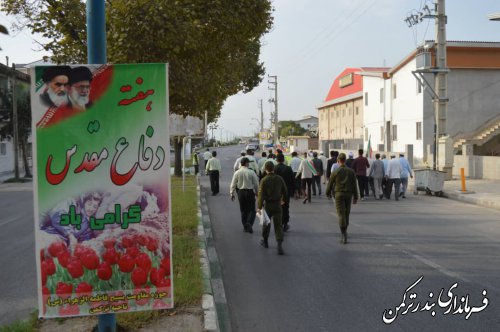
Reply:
x=23, y=123
x=291, y=128
x=212, y=47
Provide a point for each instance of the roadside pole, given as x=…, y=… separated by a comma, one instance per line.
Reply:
x=15, y=124
x=96, y=54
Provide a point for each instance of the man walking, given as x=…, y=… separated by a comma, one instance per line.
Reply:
x=195, y=162
x=246, y=185
x=405, y=172
x=377, y=173
x=359, y=166
x=330, y=162
x=286, y=174
x=272, y=192
x=324, y=161
x=393, y=175
x=295, y=165
x=206, y=156
x=213, y=169
x=318, y=166
x=306, y=172
x=343, y=183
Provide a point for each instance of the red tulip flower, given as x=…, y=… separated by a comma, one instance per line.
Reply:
x=111, y=256
x=165, y=265
x=83, y=288
x=90, y=260
x=42, y=255
x=139, y=277
x=141, y=239
x=104, y=271
x=75, y=268
x=127, y=242
x=109, y=243
x=126, y=263
x=64, y=290
x=56, y=247
x=143, y=261
x=132, y=251
x=45, y=291
x=164, y=283
x=152, y=244
x=49, y=265
x=64, y=258
x=156, y=275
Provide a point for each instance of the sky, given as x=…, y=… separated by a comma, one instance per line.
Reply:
x=311, y=43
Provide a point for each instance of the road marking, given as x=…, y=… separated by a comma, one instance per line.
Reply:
x=9, y=221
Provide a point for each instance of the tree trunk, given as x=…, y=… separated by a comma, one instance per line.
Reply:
x=178, y=156
x=27, y=172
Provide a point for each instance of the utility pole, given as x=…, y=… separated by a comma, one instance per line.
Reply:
x=15, y=123
x=274, y=86
x=443, y=144
x=261, y=116
x=444, y=149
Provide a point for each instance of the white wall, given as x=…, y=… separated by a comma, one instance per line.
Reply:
x=406, y=109
x=373, y=113
x=7, y=159
x=477, y=167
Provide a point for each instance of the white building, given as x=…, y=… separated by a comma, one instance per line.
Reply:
x=398, y=110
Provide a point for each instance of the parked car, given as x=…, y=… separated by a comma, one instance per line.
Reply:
x=253, y=146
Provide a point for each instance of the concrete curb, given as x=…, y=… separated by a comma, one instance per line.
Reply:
x=214, y=303
x=470, y=198
x=473, y=199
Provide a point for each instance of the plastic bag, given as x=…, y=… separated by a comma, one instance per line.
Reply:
x=263, y=218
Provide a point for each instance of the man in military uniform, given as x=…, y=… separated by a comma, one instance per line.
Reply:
x=343, y=182
x=286, y=174
x=273, y=192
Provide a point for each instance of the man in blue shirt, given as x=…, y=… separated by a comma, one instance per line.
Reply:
x=405, y=172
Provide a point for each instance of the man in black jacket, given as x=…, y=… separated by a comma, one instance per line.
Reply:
x=287, y=174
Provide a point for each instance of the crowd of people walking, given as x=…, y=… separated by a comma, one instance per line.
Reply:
x=271, y=182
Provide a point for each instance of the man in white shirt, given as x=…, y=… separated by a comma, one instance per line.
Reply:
x=213, y=169
x=324, y=161
x=393, y=175
x=246, y=185
x=295, y=164
x=206, y=156
x=237, y=163
x=306, y=171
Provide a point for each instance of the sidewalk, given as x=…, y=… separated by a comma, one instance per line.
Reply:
x=479, y=192
x=13, y=186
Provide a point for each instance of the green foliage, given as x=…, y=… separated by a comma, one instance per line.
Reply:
x=212, y=47
x=291, y=128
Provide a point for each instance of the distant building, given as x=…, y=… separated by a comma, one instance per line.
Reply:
x=398, y=110
x=341, y=113
x=307, y=122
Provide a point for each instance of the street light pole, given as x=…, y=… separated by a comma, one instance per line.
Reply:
x=274, y=86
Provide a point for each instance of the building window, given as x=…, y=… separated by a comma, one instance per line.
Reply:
x=366, y=98
x=346, y=129
x=382, y=133
x=419, y=87
x=3, y=149
x=419, y=130
x=357, y=110
x=394, y=91
x=366, y=134
x=381, y=95
x=394, y=132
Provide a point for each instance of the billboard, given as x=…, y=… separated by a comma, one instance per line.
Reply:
x=102, y=189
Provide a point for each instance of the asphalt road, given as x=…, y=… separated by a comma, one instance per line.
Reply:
x=17, y=260
x=322, y=285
